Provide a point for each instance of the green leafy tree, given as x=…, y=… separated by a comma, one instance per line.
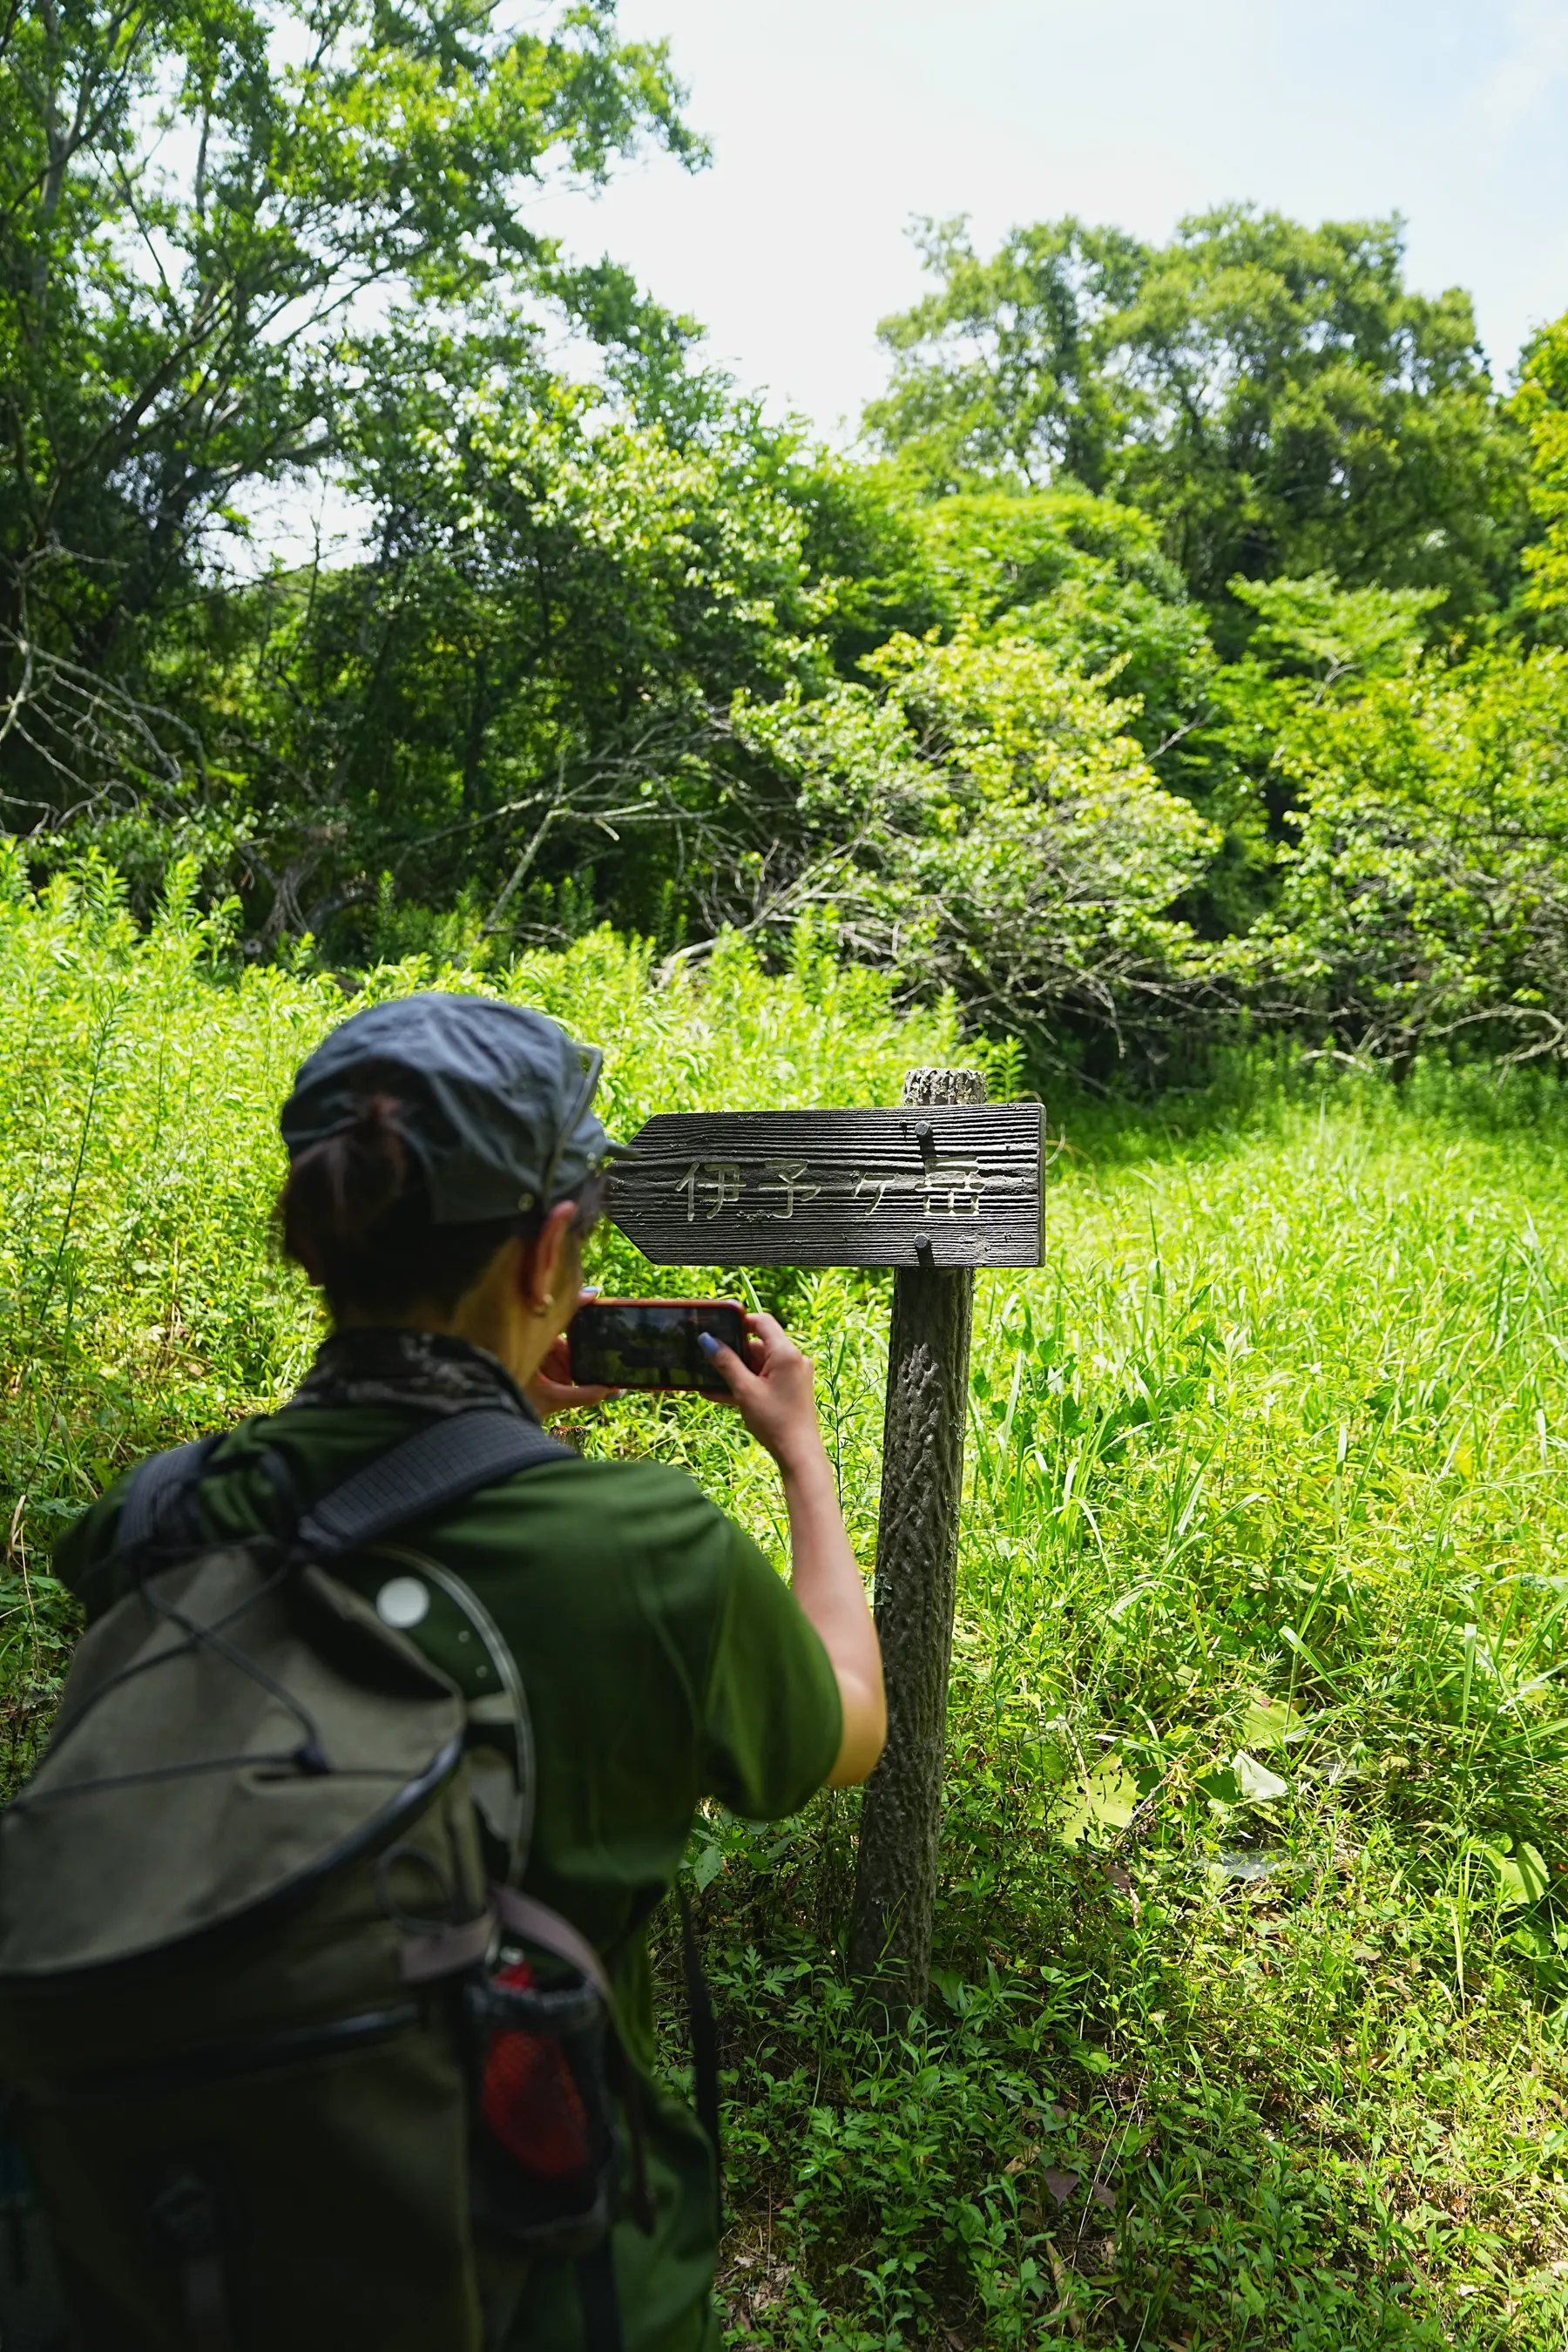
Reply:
x=200, y=207
x=1312, y=643
x=873, y=555
x=1310, y=636
x=986, y=824
x=1541, y=407
x=1311, y=413
x=1273, y=395
x=1087, y=578
x=1003, y=373
x=1425, y=900
x=522, y=691
x=1314, y=646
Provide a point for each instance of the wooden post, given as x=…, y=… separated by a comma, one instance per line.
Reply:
x=917, y=1580
x=933, y=1190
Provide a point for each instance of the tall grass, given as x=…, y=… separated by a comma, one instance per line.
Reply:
x=1249, y=2020
x=140, y=1086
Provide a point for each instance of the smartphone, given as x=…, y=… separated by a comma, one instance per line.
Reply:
x=651, y=1343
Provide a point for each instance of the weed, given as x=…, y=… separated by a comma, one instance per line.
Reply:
x=1248, y=2021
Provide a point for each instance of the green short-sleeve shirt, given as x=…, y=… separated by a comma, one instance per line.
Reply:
x=665, y=1661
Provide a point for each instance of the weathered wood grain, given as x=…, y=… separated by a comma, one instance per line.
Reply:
x=917, y=1572
x=933, y=1184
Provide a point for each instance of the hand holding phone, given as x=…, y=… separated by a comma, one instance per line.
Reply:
x=653, y=1343
x=552, y=1390
x=774, y=1385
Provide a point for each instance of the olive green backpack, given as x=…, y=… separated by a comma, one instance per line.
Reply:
x=291, y=2064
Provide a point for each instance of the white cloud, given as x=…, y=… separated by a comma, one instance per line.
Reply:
x=833, y=120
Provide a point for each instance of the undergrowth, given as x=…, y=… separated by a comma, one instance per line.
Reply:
x=1247, y=2025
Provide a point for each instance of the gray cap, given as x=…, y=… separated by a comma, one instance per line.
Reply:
x=493, y=1100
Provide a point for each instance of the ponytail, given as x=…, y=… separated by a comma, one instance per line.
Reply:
x=340, y=1189
x=355, y=1215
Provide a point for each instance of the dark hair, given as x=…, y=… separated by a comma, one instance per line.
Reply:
x=355, y=1213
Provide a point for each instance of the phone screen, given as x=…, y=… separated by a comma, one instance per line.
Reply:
x=651, y=1343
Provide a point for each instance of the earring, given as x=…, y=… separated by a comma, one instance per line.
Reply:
x=547, y=1303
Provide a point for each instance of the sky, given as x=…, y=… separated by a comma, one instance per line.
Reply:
x=835, y=122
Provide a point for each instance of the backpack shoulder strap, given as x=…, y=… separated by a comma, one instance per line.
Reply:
x=440, y=1464
x=158, y=1487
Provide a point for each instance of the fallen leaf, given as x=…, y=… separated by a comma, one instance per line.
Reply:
x=1258, y=1785
x=1062, y=2279
x=1268, y=1722
x=1025, y=2158
x=1106, y=1800
x=1061, y=2184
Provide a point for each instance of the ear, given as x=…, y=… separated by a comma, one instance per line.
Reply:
x=543, y=1269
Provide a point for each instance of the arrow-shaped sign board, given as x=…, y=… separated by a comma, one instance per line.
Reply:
x=955, y=1184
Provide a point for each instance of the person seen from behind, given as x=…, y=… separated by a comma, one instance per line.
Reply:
x=446, y=1167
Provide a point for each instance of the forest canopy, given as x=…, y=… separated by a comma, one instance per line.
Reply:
x=1181, y=645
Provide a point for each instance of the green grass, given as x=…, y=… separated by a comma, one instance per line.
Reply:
x=1248, y=2023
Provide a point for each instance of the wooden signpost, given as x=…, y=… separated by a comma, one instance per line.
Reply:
x=944, y=1185
x=943, y=1182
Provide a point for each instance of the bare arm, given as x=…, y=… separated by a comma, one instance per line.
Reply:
x=776, y=1402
